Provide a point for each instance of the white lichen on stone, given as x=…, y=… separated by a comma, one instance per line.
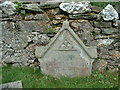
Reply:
x=74, y=8
x=105, y=41
x=8, y=7
x=109, y=13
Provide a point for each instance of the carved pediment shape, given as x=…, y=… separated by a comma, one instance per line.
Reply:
x=66, y=44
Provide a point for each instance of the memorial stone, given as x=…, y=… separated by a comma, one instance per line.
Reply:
x=66, y=55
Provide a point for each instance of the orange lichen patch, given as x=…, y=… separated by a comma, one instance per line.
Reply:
x=115, y=55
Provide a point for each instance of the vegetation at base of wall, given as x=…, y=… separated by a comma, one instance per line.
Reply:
x=35, y=79
x=104, y=4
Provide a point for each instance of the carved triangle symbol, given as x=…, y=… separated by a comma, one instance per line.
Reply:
x=66, y=45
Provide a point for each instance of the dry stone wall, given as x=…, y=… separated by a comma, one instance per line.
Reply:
x=21, y=33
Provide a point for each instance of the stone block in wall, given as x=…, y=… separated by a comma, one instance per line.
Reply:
x=33, y=8
x=54, y=11
x=29, y=17
x=38, y=39
x=115, y=23
x=18, y=17
x=83, y=16
x=96, y=9
x=97, y=30
x=84, y=30
x=109, y=30
x=105, y=42
x=103, y=24
x=101, y=36
x=114, y=54
x=81, y=25
x=100, y=65
x=29, y=26
x=41, y=17
x=60, y=16
x=105, y=53
x=20, y=59
x=49, y=5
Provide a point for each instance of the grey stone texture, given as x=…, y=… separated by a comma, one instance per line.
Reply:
x=8, y=7
x=20, y=38
x=39, y=26
x=66, y=55
x=109, y=13
x=33, y=7
x=75, y=8
x=16, y=84
x=84, y=30
x=100, y=65
x=103, y=24
x=22, y=33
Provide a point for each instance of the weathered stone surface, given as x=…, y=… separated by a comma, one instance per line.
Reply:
x=20, y=58
x=29, y=17
x=33, y=7
x=115, y=23
x=74, y=8
x=18, y=17
x=109, y=30
x=105, y=41
x=60, y=16
x=49, y=5
x=41, y=17
x=97, y=30
x=81, y=25
x=14, y=44
x=113, y=70
x=16, y=65
x=109, y=13
x=114, y=54
x=83, y=16
x=8, y=7
x=16, y=84
x=84, y=29
x=100, y=65
x=37, y=38
x=55, y=22
x=54, y=11
x=96, y=9
x=101, y=36
x=66, y=55
x=103, y=24
x=28, y=26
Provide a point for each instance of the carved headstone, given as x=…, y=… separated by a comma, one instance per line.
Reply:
x=66, y=55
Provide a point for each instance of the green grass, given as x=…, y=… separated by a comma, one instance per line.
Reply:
x=104, y=4
x=35, y=79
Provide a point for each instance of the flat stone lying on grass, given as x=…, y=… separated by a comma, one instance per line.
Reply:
x=16, y=84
